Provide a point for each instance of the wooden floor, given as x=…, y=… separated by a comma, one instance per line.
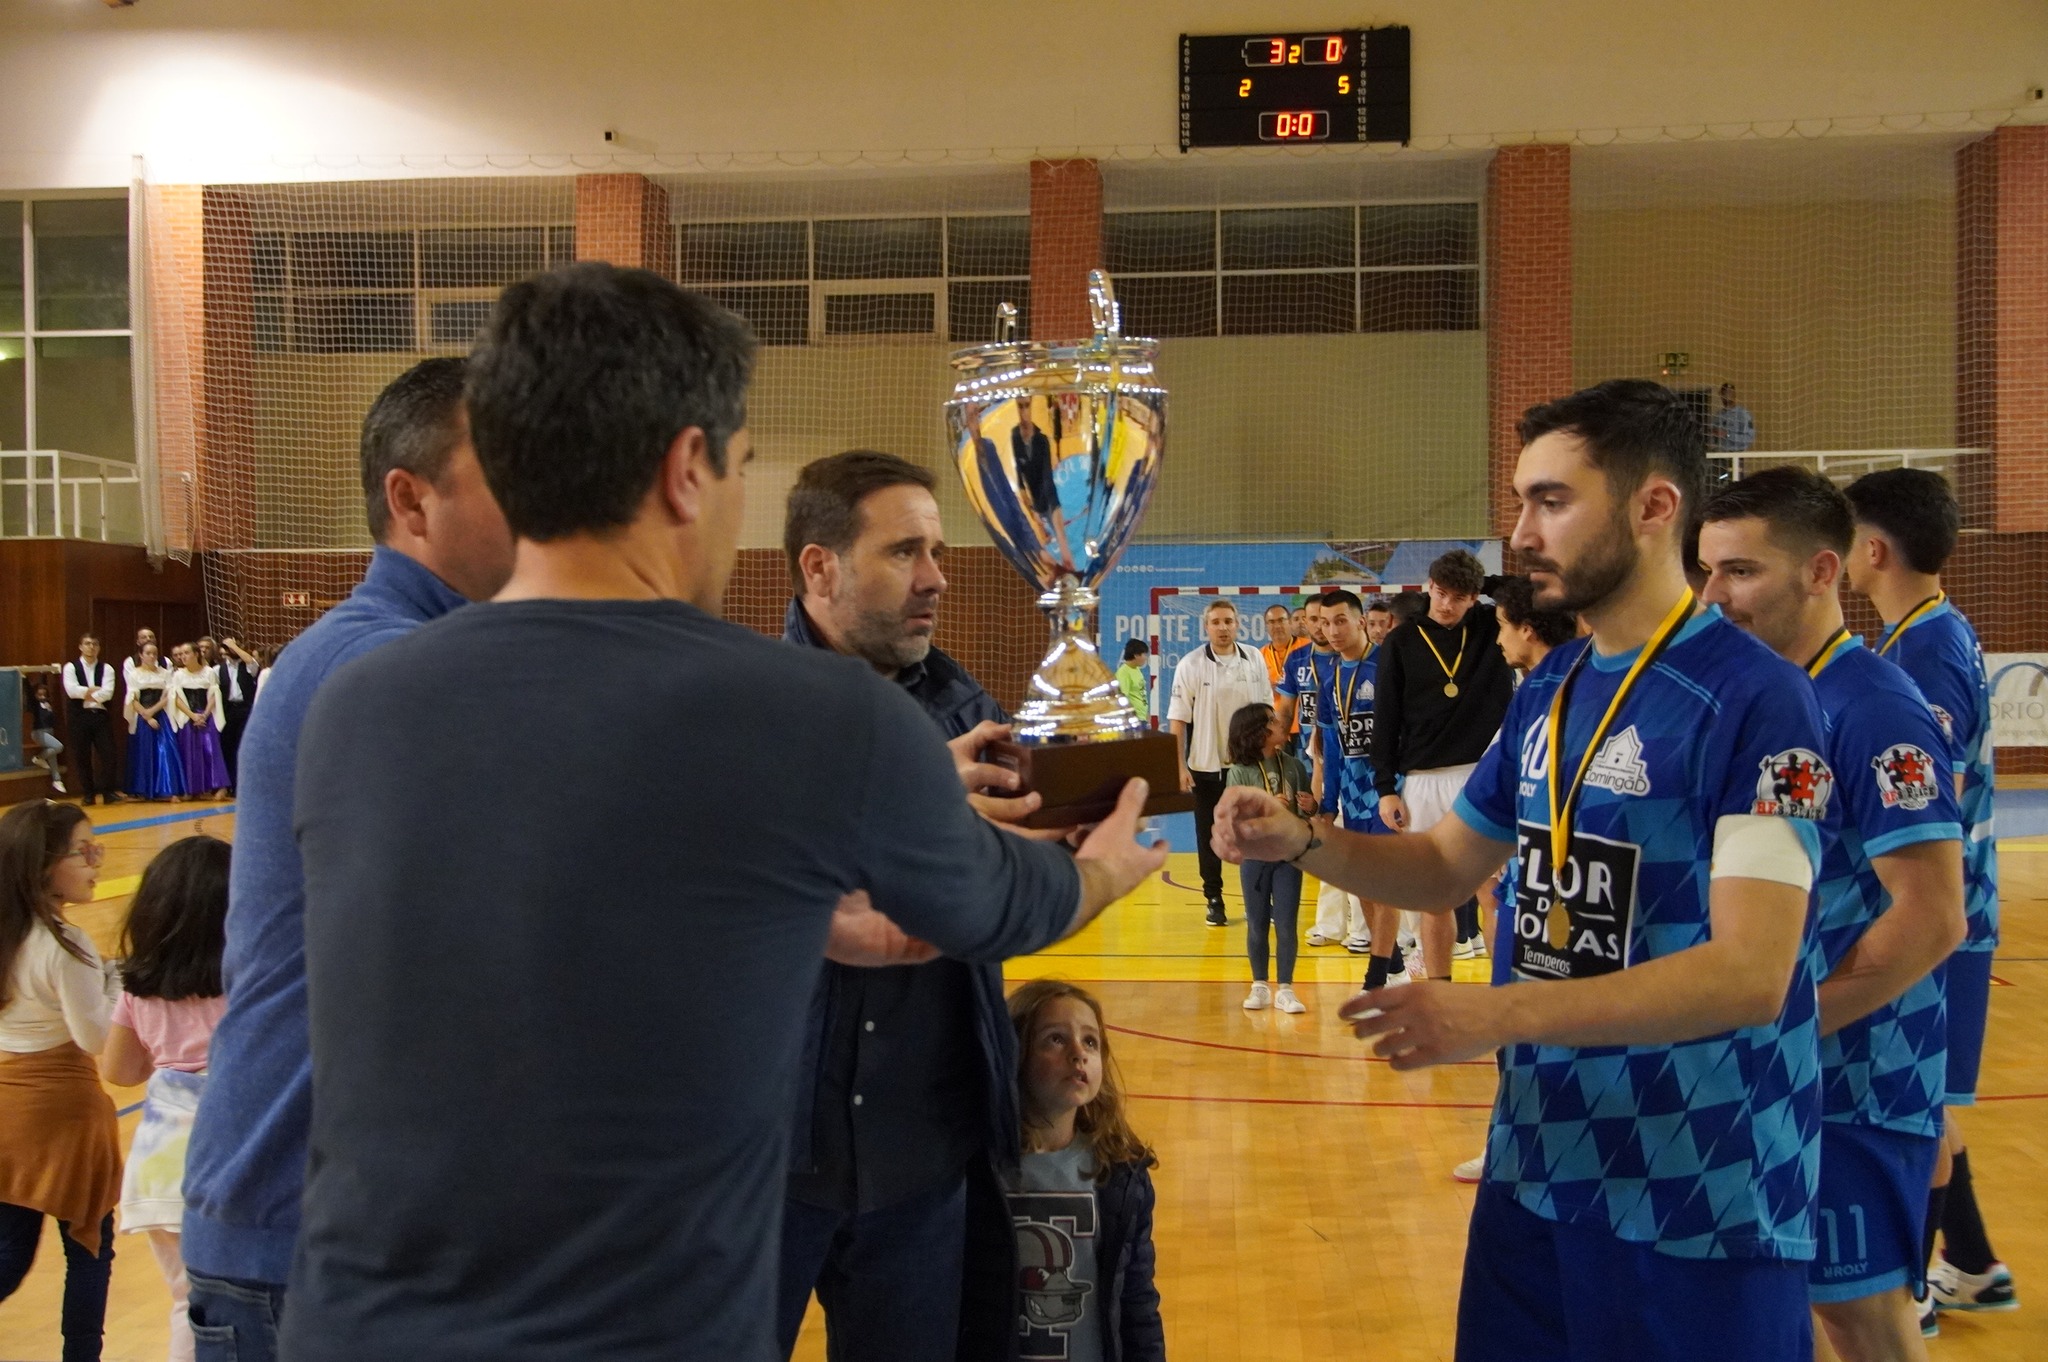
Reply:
x=1305, y=1205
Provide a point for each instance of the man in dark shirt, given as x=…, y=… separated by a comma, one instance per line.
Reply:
x=908, y=1080
x=558, y=962
x=1443, y=689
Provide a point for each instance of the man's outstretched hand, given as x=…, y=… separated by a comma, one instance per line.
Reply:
x=1433, y=1022
x=863, y=936
x=1252, y=825
x=1111, y=859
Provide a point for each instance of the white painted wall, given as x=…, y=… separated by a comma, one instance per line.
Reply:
x=218, y=90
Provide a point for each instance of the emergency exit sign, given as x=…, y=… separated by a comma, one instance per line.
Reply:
x=299, y=598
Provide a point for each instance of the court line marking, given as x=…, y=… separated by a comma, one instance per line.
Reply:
x=1292, y=1054
x=160, y=819
x=1300, y=1101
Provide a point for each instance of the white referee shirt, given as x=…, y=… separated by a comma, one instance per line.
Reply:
x=1207, y=691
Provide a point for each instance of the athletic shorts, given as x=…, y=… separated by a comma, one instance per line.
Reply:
x=1538, y=1290
x=1873, y=1211
x=1430, y=794
x=1969, y=1007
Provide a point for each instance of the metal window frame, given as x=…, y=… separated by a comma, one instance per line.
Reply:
x=30, y=333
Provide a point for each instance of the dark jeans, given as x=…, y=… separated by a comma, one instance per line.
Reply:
x=1208, y=789
x=889, y=1279
x=234, y=1320
x=92, y=753
x=84, y=1319
x=1272, y=898
x=234, y=718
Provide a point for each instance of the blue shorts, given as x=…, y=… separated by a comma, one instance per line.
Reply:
x=1969, y=1007
x=1538, y=1290
x=1873, y=1211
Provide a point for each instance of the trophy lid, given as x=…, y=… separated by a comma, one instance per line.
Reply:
x=1107, y=357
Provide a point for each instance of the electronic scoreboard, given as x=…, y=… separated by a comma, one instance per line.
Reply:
x=1277, y=89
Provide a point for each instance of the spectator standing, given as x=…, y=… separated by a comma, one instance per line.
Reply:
x=88, y=691
x=1443, y=690
x=1272, y=889
x=1734, y=429
x=440, y=540
x=60, y=1152
x=196, y=720
x=42, y=726
x=1132, y=681
x=144, y=638
x=239, y=672
x=1212, y=683
x=1278, y=650
x=171, y=1001
x=154, y=768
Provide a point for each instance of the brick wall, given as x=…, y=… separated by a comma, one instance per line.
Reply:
x=1528, y=263
x=1066, y=243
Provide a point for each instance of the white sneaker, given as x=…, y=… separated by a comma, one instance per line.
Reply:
x=1258, y=999
x=1287, y=1002
x=58, y=785
x=1416, y=970
x=1471, y=1170
x=1954, y=1289
x=1394, y=980
x=1464, y=950
x=1318, y=939
x=1478, y=948
x=1358, y=945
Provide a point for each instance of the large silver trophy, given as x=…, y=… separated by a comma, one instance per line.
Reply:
x=1059, y=445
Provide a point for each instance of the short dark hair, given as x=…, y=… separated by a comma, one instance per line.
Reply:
x=1378, y=605
x=1135, y=649
x=824, y=506
x=412, y=425
x=1337, y=596
x=1409, y=606
x=1632, y=427
x=1248, y=729
x=1458, y=571
x=583, y=379
x=177, y=926
x=1803, y=509
x=1516, y=599
x=1915, y=509
x=88, y=637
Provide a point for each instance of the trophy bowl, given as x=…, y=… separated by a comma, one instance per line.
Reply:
x=1059, y=445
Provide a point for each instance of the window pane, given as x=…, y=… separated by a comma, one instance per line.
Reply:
x=13, y=394
x=1148, y=243
x=352, y=323
x=480, y=257
x=352, y=260
x=268, y=324
x=10, y=265
x=879, y=248
x=1278, y=304
x=1169, y=306
x=728, y=252
x=456, y=324
x=266, y=262
x=984, y=246
x=1419, y=300
x=881, y=314
x=1418, y=234
x=779, y=316
x=1288, y=239
x=971, y=308
x=561, y=245
x=81, y=264
x=84, y=403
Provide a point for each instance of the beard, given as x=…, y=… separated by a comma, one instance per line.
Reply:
x=883, y=637
x=1601, y=570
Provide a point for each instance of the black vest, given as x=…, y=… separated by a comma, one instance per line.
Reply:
x=76, y=668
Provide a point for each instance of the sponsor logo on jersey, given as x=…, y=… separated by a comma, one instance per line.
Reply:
x=1596, y=886
x=1795, y=783
x=1619, y=766
x=1905, y=777
x=1948, y=725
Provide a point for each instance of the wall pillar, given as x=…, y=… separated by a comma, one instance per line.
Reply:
x=623, y=220
x=2002, y=329
x=1528, y=262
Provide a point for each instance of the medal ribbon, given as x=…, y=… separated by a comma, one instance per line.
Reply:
x=1464, y=636
x=1345, y=698
x=1827, y=650
x=1561, y=809
x=1913, y=617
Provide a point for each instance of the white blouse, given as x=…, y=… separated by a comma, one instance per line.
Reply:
x=207, y=679
x=53, y=996
x=149, y=678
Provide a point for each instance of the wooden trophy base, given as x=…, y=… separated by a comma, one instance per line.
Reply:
x=1080, y=781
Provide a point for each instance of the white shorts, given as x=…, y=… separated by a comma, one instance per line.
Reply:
x=1430, y=794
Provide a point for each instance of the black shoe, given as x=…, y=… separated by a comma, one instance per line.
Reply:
x=1216, y=915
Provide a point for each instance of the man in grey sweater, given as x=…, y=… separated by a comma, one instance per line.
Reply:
x=559, y=956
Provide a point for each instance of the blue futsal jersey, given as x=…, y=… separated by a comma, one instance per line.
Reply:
x=1940, y=652
x=1346, y=710
x=1305, y=677
x=1709, y=1148
x=1888, y=1069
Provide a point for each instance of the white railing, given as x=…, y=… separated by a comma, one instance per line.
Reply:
x=1843, y=463
x=55, y=494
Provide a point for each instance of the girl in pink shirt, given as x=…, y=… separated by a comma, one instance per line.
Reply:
x=171, y=1001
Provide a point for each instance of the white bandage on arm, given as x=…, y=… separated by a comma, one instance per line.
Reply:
x=1753, y=847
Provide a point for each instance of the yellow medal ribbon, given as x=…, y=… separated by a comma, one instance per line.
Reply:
x=1561, y=808
x=1344, y=699
x=1913, y=617
x=1451, y=671
x=1827, y=650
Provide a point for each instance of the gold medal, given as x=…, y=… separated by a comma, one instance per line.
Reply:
x=1451, y=689
x=1450, y=668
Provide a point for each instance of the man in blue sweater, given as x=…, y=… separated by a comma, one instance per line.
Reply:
x=441, y=540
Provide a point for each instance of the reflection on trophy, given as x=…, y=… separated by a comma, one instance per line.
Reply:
x=1059, y=445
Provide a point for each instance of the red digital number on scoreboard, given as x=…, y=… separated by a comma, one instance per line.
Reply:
x=1304, y=125
x=1313, y=51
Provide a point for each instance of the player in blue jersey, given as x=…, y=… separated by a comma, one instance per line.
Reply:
x=1654, y=1151
x=1297, y=696
x=1907, y=524
x=1889, y=906
x=1347, y=718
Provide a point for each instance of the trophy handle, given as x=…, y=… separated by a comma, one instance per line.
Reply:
x=1006, y=323
x=1103, y=313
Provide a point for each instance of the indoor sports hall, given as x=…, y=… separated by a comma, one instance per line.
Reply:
x=1263, y=296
